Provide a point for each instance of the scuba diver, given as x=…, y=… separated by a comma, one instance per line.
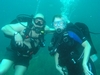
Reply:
x=26, y=39
x=71, y=49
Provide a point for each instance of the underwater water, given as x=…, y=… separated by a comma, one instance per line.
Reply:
x=86, y=11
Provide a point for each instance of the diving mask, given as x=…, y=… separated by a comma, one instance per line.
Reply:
x=39, y=21
x=58, y=23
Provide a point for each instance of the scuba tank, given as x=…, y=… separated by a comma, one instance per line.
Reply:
x=85, y=31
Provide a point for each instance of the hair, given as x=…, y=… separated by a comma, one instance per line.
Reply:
x=56, y=16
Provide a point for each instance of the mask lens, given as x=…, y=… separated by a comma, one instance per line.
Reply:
x=39, y=21
x=58, y=23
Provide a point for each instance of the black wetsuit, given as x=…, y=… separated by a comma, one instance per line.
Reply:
x=71, y=51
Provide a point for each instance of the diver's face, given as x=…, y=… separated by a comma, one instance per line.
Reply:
x=38, y=25
x=59, y=24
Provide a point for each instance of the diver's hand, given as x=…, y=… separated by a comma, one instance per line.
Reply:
x=18, y=39
x=59, y=68
x=64, y=70
x=86, y=70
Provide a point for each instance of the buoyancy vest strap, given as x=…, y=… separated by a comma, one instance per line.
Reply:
x=74, y=36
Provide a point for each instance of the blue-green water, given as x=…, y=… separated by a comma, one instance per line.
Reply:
x=86, y=11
